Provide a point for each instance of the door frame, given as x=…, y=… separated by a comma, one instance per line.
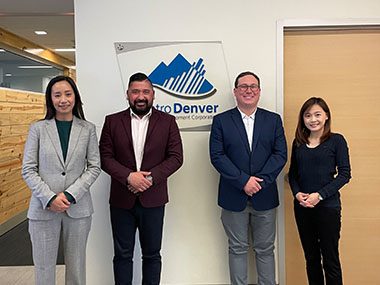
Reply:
x=304, y=25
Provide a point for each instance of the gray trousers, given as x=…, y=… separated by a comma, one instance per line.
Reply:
x=45, y=234
x=263, y=230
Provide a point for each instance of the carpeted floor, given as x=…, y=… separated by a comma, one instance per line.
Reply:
x=16, y=248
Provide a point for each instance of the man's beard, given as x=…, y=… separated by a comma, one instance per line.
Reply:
x=139, y=111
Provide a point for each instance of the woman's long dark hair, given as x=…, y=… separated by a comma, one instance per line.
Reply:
x=50, y=110
x=303, y=133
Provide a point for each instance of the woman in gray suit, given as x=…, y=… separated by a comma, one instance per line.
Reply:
x=61, y=161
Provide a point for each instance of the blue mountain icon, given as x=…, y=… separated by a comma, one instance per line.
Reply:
x=181, y=78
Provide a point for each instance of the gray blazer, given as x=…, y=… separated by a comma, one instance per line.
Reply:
x=47, y=174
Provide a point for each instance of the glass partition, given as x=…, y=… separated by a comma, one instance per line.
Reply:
x=19, y=72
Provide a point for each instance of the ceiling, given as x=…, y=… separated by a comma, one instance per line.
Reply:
x=56, y=17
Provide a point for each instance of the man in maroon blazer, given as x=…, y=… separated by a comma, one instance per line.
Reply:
x=140, y=148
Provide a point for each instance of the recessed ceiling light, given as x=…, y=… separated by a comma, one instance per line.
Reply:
x=8, y=74
x=65, y=49
x=33, y=66
x=34, y=50
x=40, y=32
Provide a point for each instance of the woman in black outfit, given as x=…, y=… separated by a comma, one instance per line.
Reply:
x=319, y=168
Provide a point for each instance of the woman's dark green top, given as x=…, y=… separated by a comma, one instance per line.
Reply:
x=64, y=128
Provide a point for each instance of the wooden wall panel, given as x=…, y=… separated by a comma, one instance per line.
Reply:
x=13, y=130
x=15, y=96
x=343, y=67
x=15, y=119
x=11, y=107
x=17, y=110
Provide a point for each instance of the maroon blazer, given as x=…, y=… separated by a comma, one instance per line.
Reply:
x=162, y=156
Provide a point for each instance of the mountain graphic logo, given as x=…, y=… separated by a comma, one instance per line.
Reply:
x=182, y=79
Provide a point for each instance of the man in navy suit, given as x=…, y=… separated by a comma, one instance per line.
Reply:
x=248, y=149
x=139, y=148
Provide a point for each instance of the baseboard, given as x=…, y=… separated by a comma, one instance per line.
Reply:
x=12, y=222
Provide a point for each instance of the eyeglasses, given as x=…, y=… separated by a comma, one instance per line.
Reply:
x=244, y=87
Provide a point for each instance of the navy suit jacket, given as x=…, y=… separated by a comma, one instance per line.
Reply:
x=162, y=156
x=231, y=156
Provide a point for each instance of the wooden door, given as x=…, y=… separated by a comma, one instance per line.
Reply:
x=343, y=67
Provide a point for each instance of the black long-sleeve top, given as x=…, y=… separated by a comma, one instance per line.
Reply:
x=323, y=169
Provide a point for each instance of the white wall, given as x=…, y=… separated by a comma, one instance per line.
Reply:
x=194, y=249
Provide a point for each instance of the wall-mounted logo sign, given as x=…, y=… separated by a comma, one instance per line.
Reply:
x=182, y=78
x=190, y=78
